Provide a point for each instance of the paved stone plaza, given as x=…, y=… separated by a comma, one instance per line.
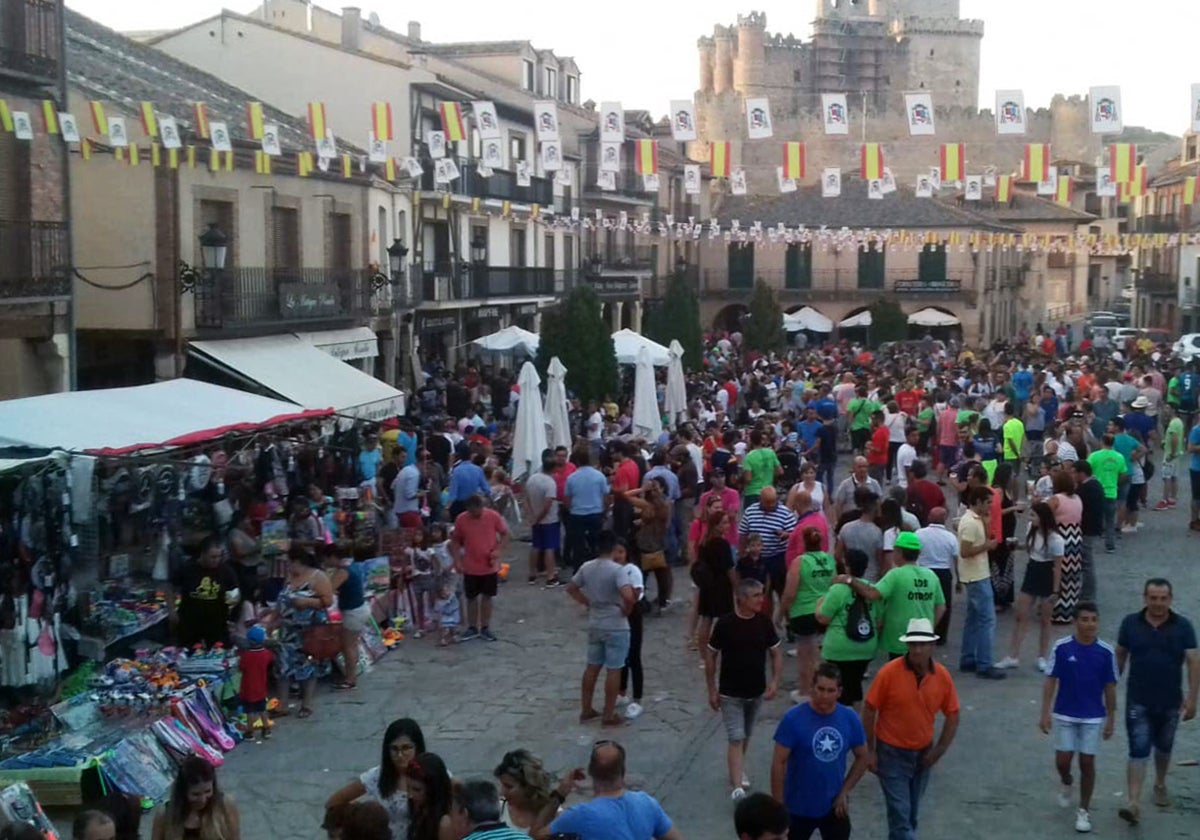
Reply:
x=477, y=700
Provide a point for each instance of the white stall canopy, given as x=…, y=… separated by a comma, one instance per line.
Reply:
x=509, y=339
x=930, y=317
x=862, y=319
x=346, y=345
x=806, y=318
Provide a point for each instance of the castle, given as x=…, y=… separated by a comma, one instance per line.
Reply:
x=874, y=51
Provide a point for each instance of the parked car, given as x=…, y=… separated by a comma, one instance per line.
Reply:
x=1187, y=347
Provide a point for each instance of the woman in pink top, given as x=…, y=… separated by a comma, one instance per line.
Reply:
x=1068, y=513
x=809, y=517
x=730, y=500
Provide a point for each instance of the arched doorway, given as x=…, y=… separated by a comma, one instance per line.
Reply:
x=730, y=318
x=806, y=326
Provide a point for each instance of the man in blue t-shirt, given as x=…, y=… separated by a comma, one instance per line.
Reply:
x=1081, y=680
x=808, y=428
x=1193, y=449
x=808, y=772
x=613, y=813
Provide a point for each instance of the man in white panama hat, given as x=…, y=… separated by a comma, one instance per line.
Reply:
x=901, y=706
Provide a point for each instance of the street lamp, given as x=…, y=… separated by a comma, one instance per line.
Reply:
x=478, y=251
x=396, y=252
x=214, y=246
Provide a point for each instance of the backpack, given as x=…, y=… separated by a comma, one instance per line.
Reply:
x=859, y=626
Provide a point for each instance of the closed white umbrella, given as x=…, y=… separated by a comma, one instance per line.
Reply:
x=558, y=420
x=647, y=422
x=676, y=390
x=529, y=439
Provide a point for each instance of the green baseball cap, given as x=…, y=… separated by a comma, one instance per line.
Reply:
x=909, y=540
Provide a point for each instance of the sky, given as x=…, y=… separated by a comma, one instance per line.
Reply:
x=643, y=54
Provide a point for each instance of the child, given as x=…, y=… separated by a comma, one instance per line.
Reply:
x=750, y=564
x=254, y=664
x=448, y=611
x=424, y=572
x=438, y=541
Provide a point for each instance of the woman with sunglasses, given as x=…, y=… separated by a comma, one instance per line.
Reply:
x=386, y=783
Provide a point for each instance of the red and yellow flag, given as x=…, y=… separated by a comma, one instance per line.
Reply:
x=262, y=163
x=721, y=158
x=647, y=157
x=1122, y=161
x=452, y=121
x=953, y=161
x=98, y=120
x=85, y=148
x=347, y=166
x=304, y=164
x=49, y=116
x=191, y=157
x=5, y=116
x=254, y=120
x=155, y=155
x=1064, y=190
x=135, y=155
x=316, y=120
x=872, y=161
x=1037, y=162
x=389, y=169
x=1004, y=189
x=201, y=119
x=1140, y=181
x=172, y=158
x=149, y=120
x=793, y=159
x=381, y=120
x=1189, y=190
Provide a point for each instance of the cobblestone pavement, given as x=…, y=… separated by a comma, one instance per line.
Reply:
x=477, y=700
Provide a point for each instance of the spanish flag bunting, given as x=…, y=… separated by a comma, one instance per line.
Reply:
x=953, y=162
x=381, y=120
x=118, y=153
x=505, y=208
x=1139, y=181
x=452, y=121
x=1037, y=162
x=793, y=160
x=254, y=120
x=155, y=155
x=49, y=116
x=1004, y=189
x=1122, y=161
x=98, y=120
x=1064, y=190
x=228, y=161
x=316, y=120
x=173, y=158
x=304, y=164
x=534, y=210
x=647, y=157
x=214, y=160
x=149, y=121
x=446, y=201
x=1189, y=190
x=262, y=162
x=135, y=155
x=1124, y=193
x=872, y=161
x=201, y=113
x=347, y=166
x=476, y=204
x=5, y=116
x=85, y=148
x=191, y=157
x=389, y=169
x=721, y=158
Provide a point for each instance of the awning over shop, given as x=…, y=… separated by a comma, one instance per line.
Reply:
x=345, y=345
x=300, y=373
x=930, y=317
x=116, y=421
x=806, y=318
x=862, y=319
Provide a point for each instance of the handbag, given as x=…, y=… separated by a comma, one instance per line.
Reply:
x=322, y=641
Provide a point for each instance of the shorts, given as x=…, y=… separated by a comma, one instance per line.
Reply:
x=1170, y=469
x=1133, y=496
x=853, y=671
x=947, y=455
x=1039, y=579
x=830, y=826
x=546, y=536
x=609, y=648
x=1195, y=475
x=858, y=438
x=357, y=619
x=1072, y=736
x=776, y=565
x=805, y=625
x=1150, y=728
x=653, y=560
x=253, y=706
x=485, y=585
x=738, y=714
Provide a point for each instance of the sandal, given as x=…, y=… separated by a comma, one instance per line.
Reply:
x=589, y=715
x=304, y=713
x=345, y=686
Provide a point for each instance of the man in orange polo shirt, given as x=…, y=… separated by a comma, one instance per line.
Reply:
x=898, y=717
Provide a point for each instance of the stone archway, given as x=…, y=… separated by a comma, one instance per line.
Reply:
x=729, y=318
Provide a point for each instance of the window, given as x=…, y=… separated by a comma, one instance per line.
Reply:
x=572, y=90
x=479, y=237
x=516, y=248
x=516, y=148
x=796, y=76
x=551, y=83
x=931, y=264
x=527, y=74
x=341, y=245
x=548, y=245
x=285, y=238
x=870, y=268
x=798, y=266
x=741, y=266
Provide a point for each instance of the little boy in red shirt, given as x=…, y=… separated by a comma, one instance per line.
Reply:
x=255, y=665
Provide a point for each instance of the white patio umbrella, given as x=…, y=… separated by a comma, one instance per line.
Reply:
x=628, y=344
x=647, y=422
x=930, y=317
x=807, y=318
x=509, y=339
x=558, y=421
x=676, y=390
x=862, y=319
x=529, y=437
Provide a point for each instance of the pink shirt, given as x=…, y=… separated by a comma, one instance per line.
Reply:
x=478, y=538
x=795, y=546
x=730, y=501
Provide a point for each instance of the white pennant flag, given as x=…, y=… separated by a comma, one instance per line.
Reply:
x=118, y=136
x=758, y=118
x=327, y=146
x=551, y=155
x=786, y=185
x=875, y=189
x=1106, y=187
x=1105, y=105
x=523, y=174
x=564, y=176
x=486, y=119
x=610, y=157
x=612, y=122
x=924, y=188
x=606, y=180
x=1195, y=108
x=545, y=120
x=376, y=148
x=974, y=190
x=1049, y=186
x=888, y=180
x=413, y=167
x=1010, y=112
x=737, y=180
x=168, y=130
x=270, y=140
x=683, y=119
x=70, y=128
x=935, y=178
x=650, y=182
x=493, y=154
x=691, y=179
x=831, y=182
x=918, y=108
x=835, y=115
x=436, y=141
x=23, y=126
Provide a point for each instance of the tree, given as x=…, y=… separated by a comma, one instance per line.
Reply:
x=677, y=317
x=576, y=332
x=888, y=322
x=764, y=327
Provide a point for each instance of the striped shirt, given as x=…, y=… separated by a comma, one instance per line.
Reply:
x=496, y=831
x=768, y=524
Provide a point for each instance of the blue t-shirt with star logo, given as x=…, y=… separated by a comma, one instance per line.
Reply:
x=816, y=767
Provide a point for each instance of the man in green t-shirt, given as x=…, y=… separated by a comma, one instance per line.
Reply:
x=761, y=466
x=1013, y=433
x=859, y=410
x=1172, y=457
x=908, y=591
x=1108, y=465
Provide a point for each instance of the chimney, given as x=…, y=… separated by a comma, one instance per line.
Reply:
x=414, y=30
x=351, y=27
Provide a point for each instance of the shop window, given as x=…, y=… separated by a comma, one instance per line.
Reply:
x=931, y=264
x=741, y=266
x=798, y=266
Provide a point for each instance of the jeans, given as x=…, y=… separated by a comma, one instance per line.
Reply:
x=582, y=530
x=946, y=579
x=903, y=781
x=825, y=475
x=1150, y=729
x=1110, y=524
x=1087, y=570
x=979, y=628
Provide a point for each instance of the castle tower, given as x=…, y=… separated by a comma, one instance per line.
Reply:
x=722, y=60
x=707, y=50
x=749, y=64
x=941, y=50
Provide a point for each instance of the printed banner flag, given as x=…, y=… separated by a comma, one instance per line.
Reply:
x=1037, y=162
x=317, y=125
x=793, y=162
x=1010, y=112
x=1189, y=190
x=871, y=163
x=1106, y=187
x=831, y=182
x=919, y=109
x=49, y=116
x=552, y=155
x=786, y=185
x=721, y=159
x=98, y=120
x=691, y=179
x=1064, y=190
x=326, y=150
x=381, y=121
x=117, y=135
x=270, y=140
x=545, y=121
x=1195, y=108
x=612, y=122
x=22, y=125
x=200, y=111
x=1122, y=161
x=254, y=120
x=68, y=127
x=651, y=183
x=647, y=157
x=452, y=121
x=413, y=167
x=875, y=189
x=835, y=115
x=758, y=118
x=606, y=180
x=168, y=129
x=935, y=178
x=486, y=119
x=737, y=180
x=493, y=154
x=974, y=188
x=683, y=119
x=376, y=149
x=1050, y=185
x=220, y=137
x=1105, y=105
x=1004, y=189
x=888, y=180
x=953, y=161
x=436, y=141
x=524, y=176
x=610, y=157
x=924, y=187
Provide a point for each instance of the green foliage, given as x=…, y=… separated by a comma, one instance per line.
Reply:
x=677, y=317
x=764, y=327
x=577, y=333
x=888, y=322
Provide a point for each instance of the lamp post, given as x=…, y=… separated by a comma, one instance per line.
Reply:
x=479, y=258
x=214, y=249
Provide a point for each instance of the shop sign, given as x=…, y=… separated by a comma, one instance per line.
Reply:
x=483, y=313
x=299, y=301
x=527, y=309
x=616, y=286
x=439, y=322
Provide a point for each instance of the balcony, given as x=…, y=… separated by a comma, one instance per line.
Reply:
x=629, y=184
x=443, y=283
x=247, y=297
x=626, y=258
x=35, y=262
x=30, y=47
x=1158, y=224
x=1157, y=283
x=502, y=185
x=839, y=284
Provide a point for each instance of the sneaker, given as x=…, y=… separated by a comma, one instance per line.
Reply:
x=745, y=781
x=487, y=635
x=1043, y=665
x=1129, y=529
x=470, y=634
x=553, y=582
x=797, y=696
x=622, y=700
x=1161, y=799
x=738, y=794
x=1066, y=796
x=1163, y=505
x=533, y=581
x=633, y=710
x=991, y=674
x=1171, y=503
x=1083, y=821
x=1008, y=662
